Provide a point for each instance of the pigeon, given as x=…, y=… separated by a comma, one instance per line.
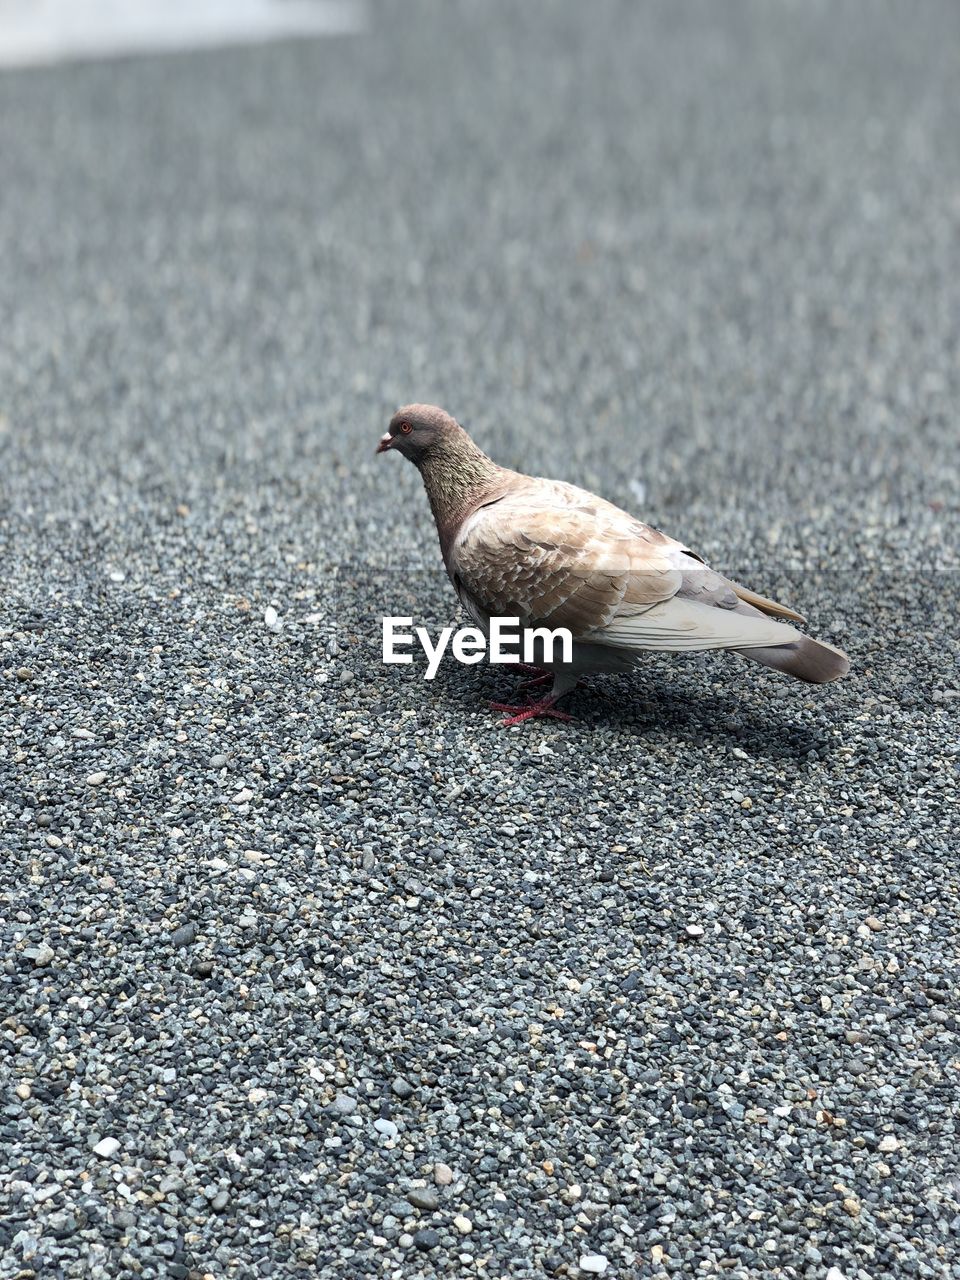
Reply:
x=554, y=555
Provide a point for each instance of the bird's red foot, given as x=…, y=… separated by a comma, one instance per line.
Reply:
x=532, y=711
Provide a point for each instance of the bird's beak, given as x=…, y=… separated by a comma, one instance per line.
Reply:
x=385, y=443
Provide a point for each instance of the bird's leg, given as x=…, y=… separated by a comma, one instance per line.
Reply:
x=539, y=674
x=533, y=710
x=535, y=683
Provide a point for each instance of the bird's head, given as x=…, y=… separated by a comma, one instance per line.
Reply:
x=418, y=430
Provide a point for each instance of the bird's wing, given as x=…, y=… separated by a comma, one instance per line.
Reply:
x=554, y=555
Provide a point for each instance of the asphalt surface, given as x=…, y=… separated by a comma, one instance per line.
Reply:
x=311, y=969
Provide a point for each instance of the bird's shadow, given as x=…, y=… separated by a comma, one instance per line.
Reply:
x=656, y=706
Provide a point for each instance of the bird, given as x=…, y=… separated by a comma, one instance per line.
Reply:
x=554, y=555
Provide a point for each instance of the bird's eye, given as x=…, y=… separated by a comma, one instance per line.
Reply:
x=406, y=428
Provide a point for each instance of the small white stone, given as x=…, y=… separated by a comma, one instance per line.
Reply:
x=256, y=1096
x=835, y=1274
x=694, y=930
x=594, y=1263
x=106, y=1147
x=386, y=1128
x=888, y=1143
x=442, y=1175
x=272, y=618
x=463, y=1225
x=96, y=779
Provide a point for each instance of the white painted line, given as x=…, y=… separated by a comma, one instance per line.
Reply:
x=42, y=32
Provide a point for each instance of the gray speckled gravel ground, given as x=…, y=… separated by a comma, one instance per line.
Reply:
x=313, y=970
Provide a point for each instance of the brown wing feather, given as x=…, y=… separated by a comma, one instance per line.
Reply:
x=552, y=554
x=553, y=557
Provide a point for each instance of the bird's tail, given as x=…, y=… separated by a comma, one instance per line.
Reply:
x=804, y=659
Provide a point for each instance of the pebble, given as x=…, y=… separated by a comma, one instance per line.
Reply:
x=694, y=930
x=888, y=1143
x=423, y=1198
x=344, y=1104
x=402, y=1088
x=96, y=779
x=106, y=1147
x=426, y=1239
x=24, y=673
x=594, y=1263
x=442, y=1174
x=463, y=1225
x=386, y=1128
